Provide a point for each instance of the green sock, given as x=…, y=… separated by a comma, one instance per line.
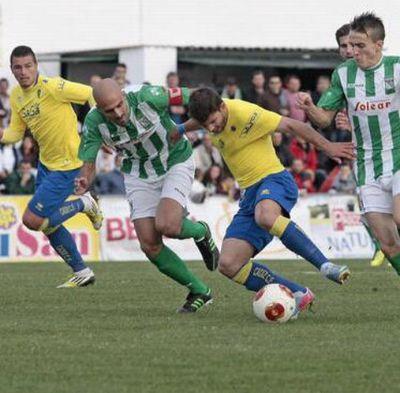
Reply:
x=172, y=266
x=374, y=240
x=192, y=229
x=395, y=261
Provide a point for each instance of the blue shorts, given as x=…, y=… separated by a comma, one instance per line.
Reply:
x=281, y=188
x=52, y=189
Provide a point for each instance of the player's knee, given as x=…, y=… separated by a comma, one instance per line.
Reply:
x=31, y=222
x=169, y=229
x=227, y=266
x=151, y=249
x=266, y=219
x=396, y=218
x=390, y=246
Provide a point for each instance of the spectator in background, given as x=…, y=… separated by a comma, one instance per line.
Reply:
x=342, y=38
x=198, y=193
x=213, y=181
x=302, y=177
x=282, y=149
x=82, y=110
x=206, y=155
x=293, y=86
x=8, y=162
x=275, y=99
x=256, y=94
x=344, y=181
x=231, y=90
x=178, y=113
x=22, y=181
x=5, y=109
x=119, y=75
x=110, y=180
x=323, y=84
x=29, y=151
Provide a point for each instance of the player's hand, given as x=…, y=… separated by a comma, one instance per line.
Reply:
x=81, y=185
x=107, y=149
x=174, y=136
x=341, y=150
x=342, y=121
x=304, y=101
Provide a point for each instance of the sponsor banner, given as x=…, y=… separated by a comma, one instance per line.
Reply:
x=17, y=243
x=333, y=222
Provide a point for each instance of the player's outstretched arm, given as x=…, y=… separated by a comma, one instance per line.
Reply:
x=318, y=116
x=181, y=129
x=336, y=151
x=85, y=178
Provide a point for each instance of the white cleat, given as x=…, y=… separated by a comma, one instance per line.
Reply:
x=92, y=210
x=79, y=279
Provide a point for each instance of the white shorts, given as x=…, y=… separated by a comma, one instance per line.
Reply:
x=144, y=196
x=378, y=195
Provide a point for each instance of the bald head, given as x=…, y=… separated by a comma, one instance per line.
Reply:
x=111, y=101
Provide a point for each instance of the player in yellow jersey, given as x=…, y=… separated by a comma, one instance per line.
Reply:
x=242, y=133
x=43, y=105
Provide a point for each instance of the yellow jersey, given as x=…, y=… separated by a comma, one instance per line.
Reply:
x=245, y=143
x=45, y=108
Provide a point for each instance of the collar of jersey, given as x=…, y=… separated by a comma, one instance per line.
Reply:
x=377, y=65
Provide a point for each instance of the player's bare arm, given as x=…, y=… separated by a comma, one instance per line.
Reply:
x=86, y=177
x=318, y=116
x=188, y=126
x=336, y=151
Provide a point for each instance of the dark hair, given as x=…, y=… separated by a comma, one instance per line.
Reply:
x=231, y=81
x=4, y=80
x=342, y=31
x=203, y=102
x=121, y=65
x=369, y=21
x=274, y=76
x=172, y=73
x=291, y=76
x=257, y=72
x=22, y=51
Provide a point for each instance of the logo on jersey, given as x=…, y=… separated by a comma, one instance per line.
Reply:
x=221, y=144
x=249, y=124
x=175, y=96
x=371, y=106
x=389, y=83
x=30, y=111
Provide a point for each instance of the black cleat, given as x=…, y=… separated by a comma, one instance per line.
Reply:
x=208, y=249
x=195, y=302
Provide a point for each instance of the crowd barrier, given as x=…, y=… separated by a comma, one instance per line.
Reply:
x=333, y=222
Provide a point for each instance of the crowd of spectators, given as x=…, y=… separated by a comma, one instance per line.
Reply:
x=312, y=170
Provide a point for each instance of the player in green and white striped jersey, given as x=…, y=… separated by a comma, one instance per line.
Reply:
x=158, y=175
x=369, y=85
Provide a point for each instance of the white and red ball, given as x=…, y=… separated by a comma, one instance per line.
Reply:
x=274, y=303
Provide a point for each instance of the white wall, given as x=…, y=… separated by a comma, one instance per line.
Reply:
x=75, y=25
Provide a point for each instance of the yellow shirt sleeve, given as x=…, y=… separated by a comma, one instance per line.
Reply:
x=266, y=122
x=16, y=130
x=66, y=91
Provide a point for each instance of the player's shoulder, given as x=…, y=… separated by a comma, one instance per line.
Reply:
x=239, y=105
x=350, y=63
x=52, y=83
x=94, y=117
x=389, y=60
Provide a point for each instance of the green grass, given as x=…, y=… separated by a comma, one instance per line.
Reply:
x=123, y=335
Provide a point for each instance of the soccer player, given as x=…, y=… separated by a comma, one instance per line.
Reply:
x=368, y=84
x=242, y=133
x=44, y=106
x=343, y=123
x=158, y=175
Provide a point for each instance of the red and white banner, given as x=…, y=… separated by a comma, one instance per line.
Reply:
x=332, y=222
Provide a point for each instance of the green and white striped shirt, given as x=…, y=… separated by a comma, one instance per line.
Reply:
x=143, y=143
x=372, y=97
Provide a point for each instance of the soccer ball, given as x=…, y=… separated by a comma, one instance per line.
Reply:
x=274, y=303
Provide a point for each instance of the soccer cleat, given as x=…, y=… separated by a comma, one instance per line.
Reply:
x=304, y=301
x=208, y=249
x=80, y=279
x=378, y=259
x=336, y=273
x=195, y=302
x=92, y=210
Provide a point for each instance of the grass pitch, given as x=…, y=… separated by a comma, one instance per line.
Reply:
x=123, y=335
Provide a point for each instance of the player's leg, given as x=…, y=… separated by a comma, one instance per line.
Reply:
x=275, y=198
x=50, y=194
x=378, y=257
x=144, y=198
x=242, y=241
x=169, y=263
x=170, y=216
x=380, y=211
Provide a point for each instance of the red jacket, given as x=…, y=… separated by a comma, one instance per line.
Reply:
x=309, y=158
